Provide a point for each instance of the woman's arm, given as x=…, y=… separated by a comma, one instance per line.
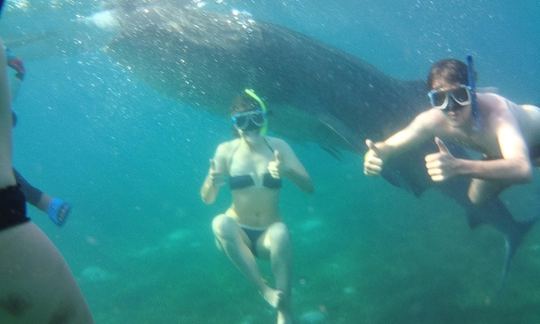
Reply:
x=291, y=167
x=215, y=177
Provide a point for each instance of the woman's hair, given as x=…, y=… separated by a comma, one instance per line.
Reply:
x=449, y=70
x=244, y=102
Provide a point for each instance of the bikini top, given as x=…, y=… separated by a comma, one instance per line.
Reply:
x=246, y=180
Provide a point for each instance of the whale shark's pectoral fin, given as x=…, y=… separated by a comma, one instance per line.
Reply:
x=337, y=127
x=396, y=178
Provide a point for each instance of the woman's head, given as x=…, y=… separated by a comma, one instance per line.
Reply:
x=243, y=103
x=248, y=112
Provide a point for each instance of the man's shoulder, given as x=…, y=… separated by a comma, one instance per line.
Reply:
x=492, y=99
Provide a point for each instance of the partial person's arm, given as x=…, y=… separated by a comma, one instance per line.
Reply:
x=16, y=64
x=416, y=132
x=215, y=177
x=6, y=174
x=289, y=166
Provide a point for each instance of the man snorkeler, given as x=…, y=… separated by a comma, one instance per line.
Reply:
x=507, y=134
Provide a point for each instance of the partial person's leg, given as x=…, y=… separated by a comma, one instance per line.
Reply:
x=481, y=191
x=276, y=243
x=37, y=285
x=233, y=241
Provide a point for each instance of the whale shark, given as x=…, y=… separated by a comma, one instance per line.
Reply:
x=316, y=93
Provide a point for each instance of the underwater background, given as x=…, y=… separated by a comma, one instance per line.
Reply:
x=131, y=163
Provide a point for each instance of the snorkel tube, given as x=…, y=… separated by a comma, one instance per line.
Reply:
x=472, y=87
x=251, y=93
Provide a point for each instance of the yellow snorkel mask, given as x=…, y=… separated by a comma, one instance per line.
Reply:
x=251, y=93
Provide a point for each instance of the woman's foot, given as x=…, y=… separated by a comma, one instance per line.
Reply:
x=284, y=317
x=273, y=297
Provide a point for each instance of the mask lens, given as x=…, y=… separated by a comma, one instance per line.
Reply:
x=258, y=118
x=241, y=121
x=461, y=95
x=438, y=99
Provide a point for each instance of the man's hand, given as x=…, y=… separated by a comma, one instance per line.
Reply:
x=441, y=165
x=373, y=163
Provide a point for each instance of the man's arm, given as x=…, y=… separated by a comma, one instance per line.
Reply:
x=514, y=166
x=419, y=130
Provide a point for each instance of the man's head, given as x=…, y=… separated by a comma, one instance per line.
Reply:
x=450, y=71
x=448, y=82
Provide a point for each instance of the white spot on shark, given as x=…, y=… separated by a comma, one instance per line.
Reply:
x=104, y=20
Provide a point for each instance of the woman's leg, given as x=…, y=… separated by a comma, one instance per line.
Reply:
x=275, y=243
x=37, y=285
x=234, y=242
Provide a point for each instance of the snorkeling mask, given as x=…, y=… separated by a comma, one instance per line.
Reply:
x=249, y=120
x=253, y=119
x=440, y=99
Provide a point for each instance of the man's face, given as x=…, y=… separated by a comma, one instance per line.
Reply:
x=454, y=100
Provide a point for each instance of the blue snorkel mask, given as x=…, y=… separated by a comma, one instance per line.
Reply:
x=252, y=120
x=1, y=6
x=472, y=87
x=249, y=120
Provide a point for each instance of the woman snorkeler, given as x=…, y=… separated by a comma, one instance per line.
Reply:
x=254, y=166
